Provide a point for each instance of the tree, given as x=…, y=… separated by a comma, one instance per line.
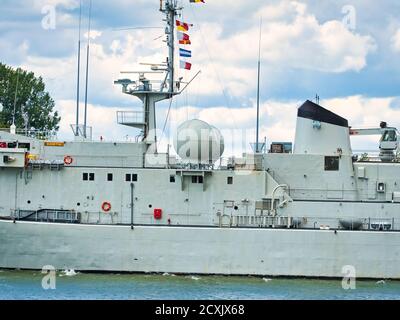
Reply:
x=34, y=108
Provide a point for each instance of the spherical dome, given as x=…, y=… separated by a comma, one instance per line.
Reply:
x=198, y=142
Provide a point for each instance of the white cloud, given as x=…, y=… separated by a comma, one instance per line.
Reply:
x=295, y=40
x=94, y=34
x=67, y=4
x=101, y=119
x=107, y=59
x=396, y=41
x=292, y=38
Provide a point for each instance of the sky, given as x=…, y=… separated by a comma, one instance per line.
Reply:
x=346, y=51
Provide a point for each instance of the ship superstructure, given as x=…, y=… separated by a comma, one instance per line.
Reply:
x=104, y=206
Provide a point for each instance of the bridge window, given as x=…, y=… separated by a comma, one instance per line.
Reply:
x=331, y=163
x=389, y=136
x=110, y=177
x=91, y=176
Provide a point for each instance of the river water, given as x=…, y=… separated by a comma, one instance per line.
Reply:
x=68, y=285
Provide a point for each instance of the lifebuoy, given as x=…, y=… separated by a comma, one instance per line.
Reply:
x=106, y=206
x=68, y=160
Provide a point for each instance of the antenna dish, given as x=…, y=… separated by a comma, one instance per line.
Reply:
x=197, y=142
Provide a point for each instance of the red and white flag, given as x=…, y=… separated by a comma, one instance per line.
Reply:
x=186, y=65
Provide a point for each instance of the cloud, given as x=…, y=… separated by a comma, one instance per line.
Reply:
x=396, y=41
x=67, y=4
x=292, y=38
x=100, y=118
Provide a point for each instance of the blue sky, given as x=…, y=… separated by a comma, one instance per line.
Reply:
x=350, y=58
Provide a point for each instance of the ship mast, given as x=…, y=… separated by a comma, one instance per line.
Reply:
x=170, y=11
x=145, y=89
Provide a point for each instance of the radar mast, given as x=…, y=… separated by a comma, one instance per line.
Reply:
x=152, y=91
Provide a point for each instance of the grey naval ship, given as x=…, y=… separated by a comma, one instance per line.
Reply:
x=308, y=209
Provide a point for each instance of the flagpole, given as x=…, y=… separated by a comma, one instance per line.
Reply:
x=258, y=90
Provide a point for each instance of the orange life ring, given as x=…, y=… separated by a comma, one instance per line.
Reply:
x=106, y=206
x=68, y=160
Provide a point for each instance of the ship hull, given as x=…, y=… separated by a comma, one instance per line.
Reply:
x=196, y=250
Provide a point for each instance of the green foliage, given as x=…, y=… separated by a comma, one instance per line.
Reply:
x=32, y=101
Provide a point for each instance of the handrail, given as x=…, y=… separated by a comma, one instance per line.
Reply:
x=131, y=117
x=34, y=133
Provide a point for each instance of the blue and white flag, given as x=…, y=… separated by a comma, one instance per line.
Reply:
x=185, y=53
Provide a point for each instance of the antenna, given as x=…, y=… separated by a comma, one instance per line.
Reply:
x=258, y=90
x=317, y=98
x=87, y=69
x=79, y=70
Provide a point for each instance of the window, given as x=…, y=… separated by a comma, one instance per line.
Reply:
x=88, y=176
x=197, y=179
x=172, y=179
x=230, y=180
x=110, y=177
x=331, y=163
x=24, y=145
x=389, y=136
x=131, y=177
x=381, y=187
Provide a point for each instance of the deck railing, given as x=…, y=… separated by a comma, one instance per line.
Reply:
x=33, y=133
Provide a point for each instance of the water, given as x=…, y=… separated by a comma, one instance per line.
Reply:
x=28, y=285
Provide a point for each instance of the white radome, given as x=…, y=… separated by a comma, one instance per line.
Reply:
x=197, y=142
